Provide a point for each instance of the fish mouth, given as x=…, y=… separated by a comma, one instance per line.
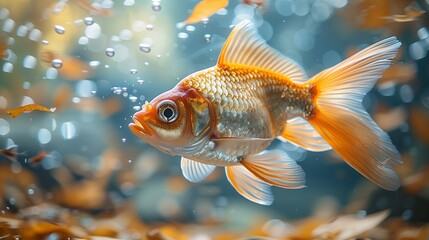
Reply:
x=139, y=128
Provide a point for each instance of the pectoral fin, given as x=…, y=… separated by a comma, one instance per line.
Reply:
x=195, y=171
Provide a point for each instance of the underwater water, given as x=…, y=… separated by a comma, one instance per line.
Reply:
x=78, y=172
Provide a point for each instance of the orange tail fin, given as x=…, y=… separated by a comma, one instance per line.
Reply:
x=343, y=122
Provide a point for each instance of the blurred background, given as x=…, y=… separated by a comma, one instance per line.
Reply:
x=80, y=172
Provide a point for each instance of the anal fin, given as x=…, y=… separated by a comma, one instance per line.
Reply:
x=275, y=168
x=248, y=185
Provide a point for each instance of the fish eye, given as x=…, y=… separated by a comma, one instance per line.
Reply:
x=167, y=111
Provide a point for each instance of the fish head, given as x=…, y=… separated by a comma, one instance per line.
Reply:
x=174, y=121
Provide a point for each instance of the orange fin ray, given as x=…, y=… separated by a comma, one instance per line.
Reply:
x=248, y=185
x=276, y=168
x=343, y=122
x=246, y=47
x=300, y=132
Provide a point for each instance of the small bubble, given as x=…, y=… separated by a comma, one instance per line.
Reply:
x=45, y=42
x=44, y=136
x=207, y=37
x=59, y=29
x=130, y=161
x=22, y=31
x=124, y=140
x=7, y=67
x=35, y=34
x=136, y=108
x=190, y=28
x=89, y=21
x=8, y=25
x=133, y=71
x=94, y=63
x=57, y=63
x=129, y=3
x=140, y=81
x=83, y=40
x=156, y=6
x=146, y=63
x=110, y=52
x=149, y=27
x=205, y=20
x=182, y=35
x=68, y=130
x=117, y=91
x=93, y=92
x=26, y=85
x=133, y=99
x=144, y=47
x=29, y=62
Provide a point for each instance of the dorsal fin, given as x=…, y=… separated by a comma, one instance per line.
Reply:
x=245, y=46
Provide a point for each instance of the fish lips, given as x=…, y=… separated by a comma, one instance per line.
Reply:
x=140, y=128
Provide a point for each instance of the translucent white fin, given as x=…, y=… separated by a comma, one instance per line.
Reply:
x=275, y=168
x=248, y=185
x=195, y=171
x=343, y=122
x=300, y=132
x=245, y=46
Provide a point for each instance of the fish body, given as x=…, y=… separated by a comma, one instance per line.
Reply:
x=227, y=115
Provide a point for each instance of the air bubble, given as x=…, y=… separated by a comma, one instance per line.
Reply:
x=207, y=37
x=140, y=81
x=144, y=47
x=129, y=3
x=22, y=31
x=4, y=127
x=133, y=71
x=8, y=25
x=124, y=140
x=57, y=63
x=45, y=42
x=68, y=130
x=190, y=28
x=149, y=27
x=29, y=62
x=59, y=29
x=93, y=31
x=26, y=85
x=136, y=108
x=156, y=6
x=51, y=73
x=110, y=52
x=7, y=67
x=83, y=40
x=182, y=35
x=133, y=99
x=89, y=21
x=35, y=35
x=44, y=136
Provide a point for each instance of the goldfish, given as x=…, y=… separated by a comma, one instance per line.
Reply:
x=228, y=114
